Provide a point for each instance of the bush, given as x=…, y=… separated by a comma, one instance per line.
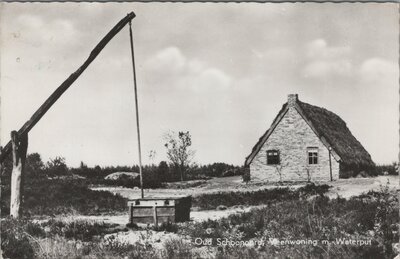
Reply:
x=213, y=200
x=61, y=196
x=177, y=248
x=166, y=226
x=371, y=216
x=246, y=176
x=78, y=230
x=353, y=170
x=16, y=238
x=56, y=167
x=313, y=189
x=387, y=169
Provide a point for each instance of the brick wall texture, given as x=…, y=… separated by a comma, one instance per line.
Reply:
x=292, y=136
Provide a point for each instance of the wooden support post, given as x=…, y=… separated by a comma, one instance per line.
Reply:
x=1, y=173
x=155, y=216
x=330, y=163
x=131, y=214
x=19, y=148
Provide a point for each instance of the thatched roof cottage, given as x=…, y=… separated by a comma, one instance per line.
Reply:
x=307, y=142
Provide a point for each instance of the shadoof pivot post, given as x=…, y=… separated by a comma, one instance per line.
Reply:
x=137, y=109
x=1, y=173
x=330, y=163
x=19, y=149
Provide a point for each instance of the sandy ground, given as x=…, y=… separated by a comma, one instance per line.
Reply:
x=196, y=216
x=347, y=188
x=343, y=187
x=226, y=184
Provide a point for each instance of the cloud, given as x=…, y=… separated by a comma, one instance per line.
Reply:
x=58, y=31
x=324, y=69
x=319, y=49
x=210, y=79
x=169, y=60
x=326, y=62
x=173, y=70
x=377, y=70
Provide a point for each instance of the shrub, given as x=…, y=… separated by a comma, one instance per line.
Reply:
x=166, y=226
x=354, y=170
x=213, y=200
x=316, y=219
x=313, y=189
x=387, y=169
x=56, y=167
x=177, y=248
x=77, y=230
x=61, y=196
x=246, y=176
x=216, y=170
x=16, y=238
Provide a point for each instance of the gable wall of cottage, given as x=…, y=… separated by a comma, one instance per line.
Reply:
x=292, y=136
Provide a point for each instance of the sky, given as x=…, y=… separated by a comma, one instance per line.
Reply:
x=220, y=71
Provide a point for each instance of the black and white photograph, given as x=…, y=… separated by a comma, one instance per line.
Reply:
x=199, y=130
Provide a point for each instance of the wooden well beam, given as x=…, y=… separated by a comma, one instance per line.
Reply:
x=66, y=84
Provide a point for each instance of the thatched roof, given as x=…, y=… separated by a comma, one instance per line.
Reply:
x=332, y=131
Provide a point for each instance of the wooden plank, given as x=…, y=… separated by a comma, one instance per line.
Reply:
x=150, y=219
x=150, y=204
x=138, y=212
x=67, y=83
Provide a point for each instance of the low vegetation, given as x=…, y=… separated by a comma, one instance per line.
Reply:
x=289, y=214
x=371, y=217
x=59, y=196
x=266, y=196
x=388, y=169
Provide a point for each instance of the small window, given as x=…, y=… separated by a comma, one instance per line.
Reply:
x=273, y=157
x=312, y=155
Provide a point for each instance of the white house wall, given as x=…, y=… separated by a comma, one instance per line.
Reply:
x=292, y=136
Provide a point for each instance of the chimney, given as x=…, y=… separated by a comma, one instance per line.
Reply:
x=292, y=99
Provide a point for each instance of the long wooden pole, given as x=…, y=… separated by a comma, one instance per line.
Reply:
x=137, y=111
x=67, y=83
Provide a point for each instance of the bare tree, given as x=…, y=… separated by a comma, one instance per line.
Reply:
x=308, y=175
x=278, y=169
x=178, y=151
x=301, y=174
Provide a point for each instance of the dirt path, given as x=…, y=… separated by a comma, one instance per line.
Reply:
x=343, y=187
x=347, y=188
x=196, y=216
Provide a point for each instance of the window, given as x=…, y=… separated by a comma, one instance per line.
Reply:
x=273, y=157
x=312, y=155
